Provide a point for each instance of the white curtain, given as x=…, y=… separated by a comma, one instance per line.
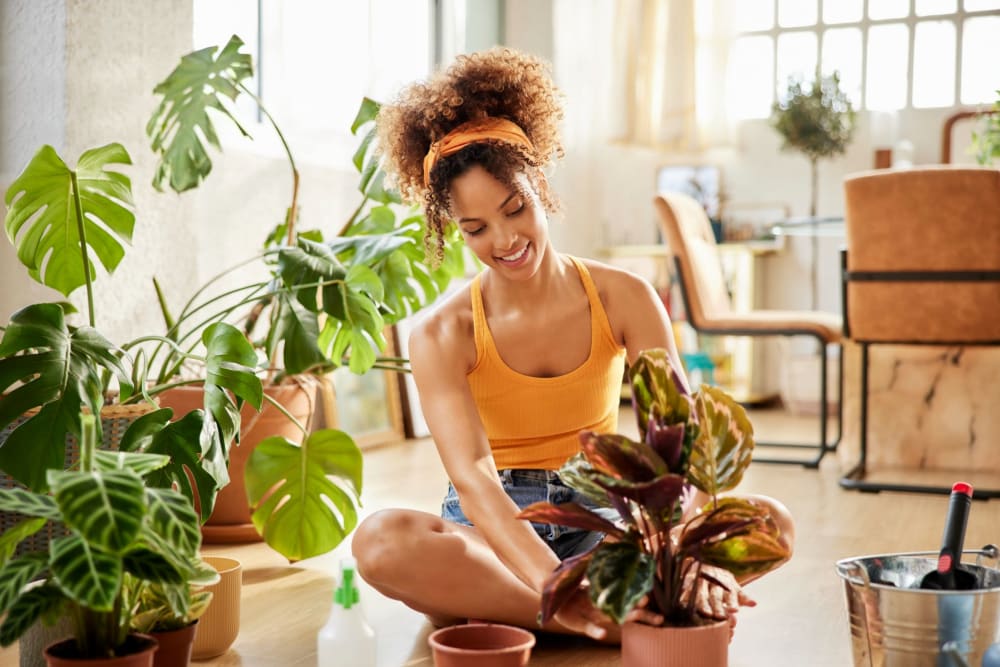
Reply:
x=670, y=64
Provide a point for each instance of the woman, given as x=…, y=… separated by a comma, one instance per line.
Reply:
x=510, y=369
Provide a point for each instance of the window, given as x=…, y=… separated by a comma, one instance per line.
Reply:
x=315, y=60
x=891, y=54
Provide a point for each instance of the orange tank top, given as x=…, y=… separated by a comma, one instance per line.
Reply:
x=534, y=422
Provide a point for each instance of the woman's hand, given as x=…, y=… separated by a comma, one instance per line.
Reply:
x=580, y=615
x=712, y=600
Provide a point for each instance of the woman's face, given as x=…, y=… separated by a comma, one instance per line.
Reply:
x=507, y=231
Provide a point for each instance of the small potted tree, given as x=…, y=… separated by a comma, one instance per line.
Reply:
x=657, y=551
x=117, y=527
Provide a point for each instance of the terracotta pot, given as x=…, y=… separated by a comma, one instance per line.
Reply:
x=140, y=647
x=220, y=624
x=230, y=521
x=701, y=646
x=175, y=646
x=481, y=645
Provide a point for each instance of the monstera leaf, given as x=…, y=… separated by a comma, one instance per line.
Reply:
x=723, y=447
x=45, y=202
x=199, y=83
x=59, y=369
x=291, y=488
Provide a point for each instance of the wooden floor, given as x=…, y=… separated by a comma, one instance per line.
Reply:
x=800, y=619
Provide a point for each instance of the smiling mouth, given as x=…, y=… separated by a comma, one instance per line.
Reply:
x=513, y=257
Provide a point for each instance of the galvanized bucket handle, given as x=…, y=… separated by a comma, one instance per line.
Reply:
x=990, y=551
x=853, y=569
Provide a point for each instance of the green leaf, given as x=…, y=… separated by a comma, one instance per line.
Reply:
x=139, y=463
x=60, y=372
x=229, y=369
x=180, y=441
x=30, y=504
x=570, y=515
x=172, y=516
x=575, y=473
x=657, y=391
x=15, y=575
x=366, y=113
x=27, y=609
x=359, y=155
x=199, y=83
x=289, y=486
x=86, y=575
x=15, y=534
x=362, y=279
x=298, y=329
x=620, y=574
x=150, y=565
x=41, y=217
x=107, y=508
x=723, y=448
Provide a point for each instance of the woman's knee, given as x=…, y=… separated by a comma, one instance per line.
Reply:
x=781, y=517
x=383, y=544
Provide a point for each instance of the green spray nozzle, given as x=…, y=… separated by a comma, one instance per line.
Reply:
x=346, y=594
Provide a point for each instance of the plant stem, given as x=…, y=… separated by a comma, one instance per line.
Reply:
x=82, y=232
x=88, y=438
x=354, y=216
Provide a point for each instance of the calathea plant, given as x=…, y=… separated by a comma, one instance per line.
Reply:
x=656, y=550
x=118, y=527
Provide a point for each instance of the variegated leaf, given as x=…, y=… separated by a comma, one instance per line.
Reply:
x=91, y=577
x=724, y=445
x=107, y=508
x=139, y=463
x=659, y=496
x=620, y=574
x=571, y=515
x=29, y=504
x=150, y=565
x=621, y=458
x=26, y=610
x=562, y=583
x=16, y=574
x=657, y=391
x=574, y=474
x=752, y=546
x=171, y=515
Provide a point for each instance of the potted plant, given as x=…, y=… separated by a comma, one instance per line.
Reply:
x=657, y=551
x=817, y=120
x=325, y=303
x=62, y=222
x=118, y=526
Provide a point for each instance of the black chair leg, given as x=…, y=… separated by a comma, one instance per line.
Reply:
x=855, y=477
x=822, y=446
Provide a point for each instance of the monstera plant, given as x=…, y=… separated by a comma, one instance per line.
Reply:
x=659, y=550
x=118, y=527
x=325, y=300
x=62, y=222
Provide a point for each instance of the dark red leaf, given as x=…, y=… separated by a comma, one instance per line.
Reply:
x=563, y=582
x=571, y=515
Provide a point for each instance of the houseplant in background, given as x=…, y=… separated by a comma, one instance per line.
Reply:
x=118, y=526
x=658, y=551
x=324, y=303
x=986, y=142
x=817, y=120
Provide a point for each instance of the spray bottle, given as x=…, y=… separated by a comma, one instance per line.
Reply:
x=346, y=639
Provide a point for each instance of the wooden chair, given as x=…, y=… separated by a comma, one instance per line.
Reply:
x=699, y=274
x=922, y=266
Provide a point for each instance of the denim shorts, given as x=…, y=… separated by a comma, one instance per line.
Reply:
x=531, y=486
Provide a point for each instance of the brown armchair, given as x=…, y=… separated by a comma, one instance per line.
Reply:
x=922, y=266
x=699, y=274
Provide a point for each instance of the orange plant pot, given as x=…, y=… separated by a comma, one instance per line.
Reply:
x=230, y=521
x=701, y=646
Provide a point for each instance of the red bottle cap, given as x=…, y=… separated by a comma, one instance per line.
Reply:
x=962, y=487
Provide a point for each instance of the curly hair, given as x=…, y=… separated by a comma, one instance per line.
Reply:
x=500, y=83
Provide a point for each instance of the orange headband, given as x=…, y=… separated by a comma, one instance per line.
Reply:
x=473, y=132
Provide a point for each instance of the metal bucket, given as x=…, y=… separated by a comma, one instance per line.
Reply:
x=895, y=624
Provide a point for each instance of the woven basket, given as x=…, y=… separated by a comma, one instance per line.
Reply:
x=115, y=420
